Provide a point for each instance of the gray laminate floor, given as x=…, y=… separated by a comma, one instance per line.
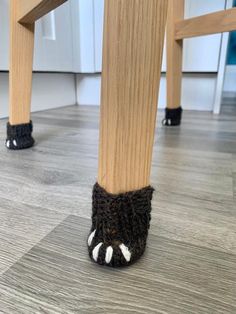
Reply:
x=45, y=205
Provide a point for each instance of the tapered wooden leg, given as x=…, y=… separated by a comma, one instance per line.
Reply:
x=174, y=64
x=132, y=56
x=21, y=60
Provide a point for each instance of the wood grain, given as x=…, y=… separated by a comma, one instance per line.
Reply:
x=32, y=10
x=174, y=55
x=21, y=63
x=132, y=55
x=218, y=22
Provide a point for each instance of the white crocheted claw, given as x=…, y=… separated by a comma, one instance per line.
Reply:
x=166, y=122
x=8, y=143
x=90, y=238
x=109, y=253
x=109, y=250
x=125, y=251
x=96, y=251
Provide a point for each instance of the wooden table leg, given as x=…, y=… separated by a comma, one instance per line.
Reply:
x=132, y=56
x=19, y=127
x=174, y=64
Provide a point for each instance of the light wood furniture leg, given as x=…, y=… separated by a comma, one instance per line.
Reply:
x=174, y=64
x=132, y=55
x=21, y=61
x=19, y=127
x=133, y=44
x=23, y=14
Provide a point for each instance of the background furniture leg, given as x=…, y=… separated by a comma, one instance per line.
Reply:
x=19, y=127
x=174, y=65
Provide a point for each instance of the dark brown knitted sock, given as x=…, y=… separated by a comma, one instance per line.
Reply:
x=19, y=136
x=173, y=117
x=120, y=226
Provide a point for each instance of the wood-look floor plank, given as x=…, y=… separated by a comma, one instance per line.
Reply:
x=173, y=277
x=234, y=163
x=234, y=186
x=21, y=227
x=210, y=228
x=190, y=262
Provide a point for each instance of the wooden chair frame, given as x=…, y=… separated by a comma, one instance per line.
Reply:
x=132, y=55
x=131, y=74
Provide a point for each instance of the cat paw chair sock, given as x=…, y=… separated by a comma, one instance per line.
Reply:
x=19, y=136
x=120, y=224
x=172, y=117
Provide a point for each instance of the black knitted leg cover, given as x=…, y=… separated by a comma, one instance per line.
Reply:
x=120, y=226
x=173, y=117
x=19, y=136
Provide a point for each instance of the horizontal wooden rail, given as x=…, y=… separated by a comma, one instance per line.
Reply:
x=32, y=10
x=218, y=22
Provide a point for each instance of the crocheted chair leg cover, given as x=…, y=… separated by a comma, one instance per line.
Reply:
x=120, y=226
x=173, y=117
x=19, y=136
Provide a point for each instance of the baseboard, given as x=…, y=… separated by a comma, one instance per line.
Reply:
x=50, y=90
x=53, y=90
x=197, y=94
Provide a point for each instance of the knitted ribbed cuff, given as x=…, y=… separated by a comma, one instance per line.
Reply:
x=19, y=136
x=173, y=117
x=120, y=226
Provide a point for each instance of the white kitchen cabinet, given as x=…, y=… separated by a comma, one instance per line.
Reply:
x=201, y=54
x=98, y=25
x=69, y=39
x=4, y=35
x=53, y=49
x=84, y=35
x=87, y=22
x=201, y=57
x=53, y=52
x=53, y=40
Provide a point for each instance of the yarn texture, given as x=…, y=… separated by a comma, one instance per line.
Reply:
x=19, y=136
x=120, y=224
x=173, y=117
